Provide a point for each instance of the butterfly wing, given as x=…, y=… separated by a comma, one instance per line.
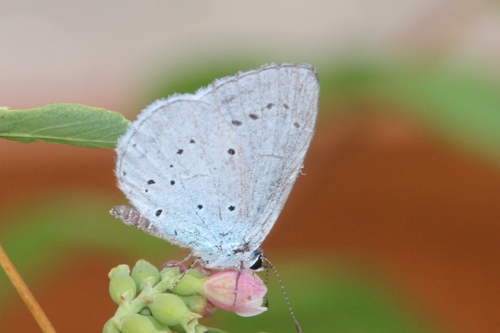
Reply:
x=177, y=164
x=212, y=171
x=273, y=111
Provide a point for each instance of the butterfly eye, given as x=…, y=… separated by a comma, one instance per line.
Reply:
x=257, y=264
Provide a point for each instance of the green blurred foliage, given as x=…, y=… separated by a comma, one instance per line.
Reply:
x=460, y=106
x=43, y=234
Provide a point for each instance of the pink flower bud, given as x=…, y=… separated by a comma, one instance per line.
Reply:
x=220, y=290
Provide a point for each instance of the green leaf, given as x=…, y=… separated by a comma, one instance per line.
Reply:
x=71, y=124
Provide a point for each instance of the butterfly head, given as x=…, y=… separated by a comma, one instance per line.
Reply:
x=260, y=262
x=254, y=260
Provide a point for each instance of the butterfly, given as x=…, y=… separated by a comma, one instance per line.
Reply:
x=211, y=171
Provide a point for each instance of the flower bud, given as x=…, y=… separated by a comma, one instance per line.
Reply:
x=188, y=285
x=199, y=304
x=136, y=323
x=143, y=270
x=121, y=286
x=200, y=272
x=198, y=329
x=111, y=326
x=119, y=270
x=170, y=310
x=220, y=289
x=169, y=272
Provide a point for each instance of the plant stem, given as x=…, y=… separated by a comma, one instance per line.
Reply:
x=25, y=293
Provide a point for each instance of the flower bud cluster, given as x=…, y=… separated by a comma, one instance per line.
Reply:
x=172, y=300
x=146, y=302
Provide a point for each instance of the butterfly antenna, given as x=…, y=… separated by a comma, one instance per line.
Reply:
x=266, y=282
x=295, y=321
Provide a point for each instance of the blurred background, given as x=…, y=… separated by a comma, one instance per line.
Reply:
x=393, y=228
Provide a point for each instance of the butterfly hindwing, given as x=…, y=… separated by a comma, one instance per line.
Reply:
x=177, y=167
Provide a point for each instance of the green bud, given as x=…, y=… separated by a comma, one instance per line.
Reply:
x=199, y=304
x=170, y=310
x=110, y=326
x=165, y=285
x=158, y=326
x=119, y=270
x=197, y=329
x=143, y=270
x=145, y=312
x=170, y=272
x=199, y=272
x=188, y=285
x=200, y=329
x=122, y=288
x=137, y=323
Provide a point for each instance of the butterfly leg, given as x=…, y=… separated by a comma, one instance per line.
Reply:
x=178, y=263
x=238, y=274
x=185, y=272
